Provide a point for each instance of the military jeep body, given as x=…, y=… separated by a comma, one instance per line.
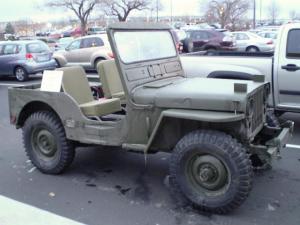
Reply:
x=214, y=129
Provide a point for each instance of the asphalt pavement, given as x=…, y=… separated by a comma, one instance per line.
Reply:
x=107, y=186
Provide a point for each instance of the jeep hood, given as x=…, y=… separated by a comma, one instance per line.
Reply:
x=195, y=93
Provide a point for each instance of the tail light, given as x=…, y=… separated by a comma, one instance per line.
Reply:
x=179, y=47
x=29, y=57
x=270, y=42
x=227, y=41
x=111, y=55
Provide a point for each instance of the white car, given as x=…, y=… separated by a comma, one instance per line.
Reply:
x=250, y=42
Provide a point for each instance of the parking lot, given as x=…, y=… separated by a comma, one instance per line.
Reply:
x=110, y=186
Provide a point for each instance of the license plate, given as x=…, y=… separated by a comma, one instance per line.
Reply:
x=43, y=58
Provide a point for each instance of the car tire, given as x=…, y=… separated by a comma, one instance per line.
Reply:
x=57, y=63
x=252, y=49
x=46, y=144
x=21, y=74
x=211, y=171
x=272, y=120
x=190, y=46
x=96, y=62
x=211, y=51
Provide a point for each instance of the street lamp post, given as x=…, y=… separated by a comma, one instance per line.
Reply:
x=156, y=10
x=171, y=10
x=254, y=14
x=260, y=9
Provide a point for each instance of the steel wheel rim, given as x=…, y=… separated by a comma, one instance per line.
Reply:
x=207, y=174
x=43, y=143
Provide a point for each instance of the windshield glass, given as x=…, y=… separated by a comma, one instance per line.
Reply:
x=37, y=47
x=144, y=45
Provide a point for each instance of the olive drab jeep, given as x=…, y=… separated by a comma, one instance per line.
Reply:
x=214, y=129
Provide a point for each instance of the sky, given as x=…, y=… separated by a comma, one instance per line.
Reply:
x=12, y=10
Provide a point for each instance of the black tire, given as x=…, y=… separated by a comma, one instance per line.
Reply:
x=96, y=62
x=211, y=51
x=190, y=46
x=272, y=120
x=46, y=144
x=57, y=63
x=252, y=49
x=208, y=190
x=21, y=74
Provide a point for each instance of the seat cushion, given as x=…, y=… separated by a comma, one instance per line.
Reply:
x=101, y=107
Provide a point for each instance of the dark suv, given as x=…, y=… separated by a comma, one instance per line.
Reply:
x=208, y=40
x=21, y=58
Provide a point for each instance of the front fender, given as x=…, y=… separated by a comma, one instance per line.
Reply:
x=195, y=115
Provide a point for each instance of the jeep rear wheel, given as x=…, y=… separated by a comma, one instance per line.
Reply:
x=211, y=171
x=46, y=144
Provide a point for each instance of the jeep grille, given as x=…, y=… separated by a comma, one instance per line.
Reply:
x=258, y=109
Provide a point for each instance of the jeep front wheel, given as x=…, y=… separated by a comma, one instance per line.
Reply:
x=211, y=171
x=46, y=144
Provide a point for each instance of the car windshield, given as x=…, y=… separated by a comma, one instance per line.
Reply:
x=144, y=45
x=37, y=47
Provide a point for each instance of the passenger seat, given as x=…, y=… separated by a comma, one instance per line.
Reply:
x=75, y=83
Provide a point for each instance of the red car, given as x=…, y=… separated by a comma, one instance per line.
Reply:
x=208, y=40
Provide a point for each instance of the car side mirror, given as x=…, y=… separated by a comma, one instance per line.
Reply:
x=67, y=49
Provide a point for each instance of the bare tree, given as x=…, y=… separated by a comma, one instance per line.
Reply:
x=274, y=11
x=122, y=8
x=81, y=8
x=227, y=12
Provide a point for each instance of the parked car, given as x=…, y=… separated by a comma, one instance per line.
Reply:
x=76, y=32
x=51, y=42
x=179, y=45
x=281, y=68
x=85, y=51
x=63, y=43
x=250, y=42
x=21, y=58
x=207, y=40
x=95, y=30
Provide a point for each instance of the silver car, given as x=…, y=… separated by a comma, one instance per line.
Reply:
x=250, y=42
x=22, y=58
x=85, y=51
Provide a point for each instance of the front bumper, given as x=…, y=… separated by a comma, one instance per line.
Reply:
x=273, y=146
